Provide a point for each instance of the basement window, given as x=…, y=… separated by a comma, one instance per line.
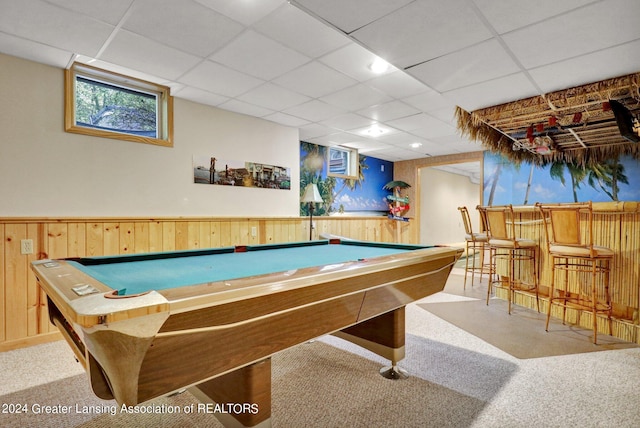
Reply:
x=343, y=162
x=105, y=104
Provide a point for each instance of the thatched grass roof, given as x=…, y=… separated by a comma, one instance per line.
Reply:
x=581, y=126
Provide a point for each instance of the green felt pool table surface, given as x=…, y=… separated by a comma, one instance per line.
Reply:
x=134, y=274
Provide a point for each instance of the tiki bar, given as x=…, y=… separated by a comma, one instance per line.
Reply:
x=582, y=256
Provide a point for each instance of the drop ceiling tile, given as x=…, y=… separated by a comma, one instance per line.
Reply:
x=110, y=12
x=195, y=29
x=574, y=33
x=315, y=80
x=402, y=139
x=493, y=92
x=604, y=64
x=199, y=96
x=334, y=139
x=395, y=154
x=484, y=61
x=432, y=149
x=256, y=55
x=397, y=84
x=315, y=111
x=347, y=121
x=41, y=22
x=286, y=120
x=356, y=97
x=446, y=114
x=148, y=56
x=350, y=15
x=423, y=30
x=297, y=30
x=436, y=129
x=246, y=12
x=273, y=97
x=388, y=111
x=245, y=108
x=521, y=13
x=352, y=60
x=219, y=79
x=34, y=51
x=429, y=101
x=421, y=121
x=314, y=130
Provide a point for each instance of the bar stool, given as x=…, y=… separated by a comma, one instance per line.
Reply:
x=571, y=249
x=474, y=242
x=491, y=266
x=505, y=245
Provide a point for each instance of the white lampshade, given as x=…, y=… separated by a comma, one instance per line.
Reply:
x=311, y=194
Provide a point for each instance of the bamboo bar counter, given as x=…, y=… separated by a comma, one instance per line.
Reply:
x=616, y=226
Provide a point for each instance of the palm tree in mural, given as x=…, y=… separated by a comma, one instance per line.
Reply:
x=501, y=163
x=577, y=174
x=607, y=175
x=352, y=183
x=326, y=188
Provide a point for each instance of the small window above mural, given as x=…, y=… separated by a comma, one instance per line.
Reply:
x=342, y=162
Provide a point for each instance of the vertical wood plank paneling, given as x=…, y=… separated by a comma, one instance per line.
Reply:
x=205, y=234
x=57, y=240
x=234, y=233
x=225, y=234
x=15, y=279
x=141, y=237
x=193, y=235
x=269, y=231
x=33, y=290
x=127, y=238
x=111, y=242
x=76, y=240
x=215, y=234
x=155, y=231
x=168, y=236
x=95, y=239
x=182, y=235
x=3, y=295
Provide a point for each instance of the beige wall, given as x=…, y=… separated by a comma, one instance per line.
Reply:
x=441, y=193
x=45, y=171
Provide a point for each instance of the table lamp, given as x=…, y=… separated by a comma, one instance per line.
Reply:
x=312, y=196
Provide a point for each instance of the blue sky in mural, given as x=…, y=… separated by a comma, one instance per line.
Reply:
x=371, y=196
x=526, y=185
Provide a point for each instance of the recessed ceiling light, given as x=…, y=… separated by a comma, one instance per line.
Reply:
x=416, y=145
x=374, y=131
x=379, y=66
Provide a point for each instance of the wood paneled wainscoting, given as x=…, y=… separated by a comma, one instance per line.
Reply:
x=23, y=313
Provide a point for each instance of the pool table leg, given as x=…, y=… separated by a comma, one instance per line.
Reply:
x=383, y=335
x=248, y=386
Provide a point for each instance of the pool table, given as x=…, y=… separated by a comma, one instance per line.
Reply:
x=148, y=325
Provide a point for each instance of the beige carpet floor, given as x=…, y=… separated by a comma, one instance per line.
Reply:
x=457, y=379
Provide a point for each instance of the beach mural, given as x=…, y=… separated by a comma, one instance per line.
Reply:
x=526, y=184
x=342, y=196
x=211, y=170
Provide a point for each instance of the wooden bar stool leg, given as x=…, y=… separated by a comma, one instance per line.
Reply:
x=551, y=291
x=594, y=300
x=466, y=267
